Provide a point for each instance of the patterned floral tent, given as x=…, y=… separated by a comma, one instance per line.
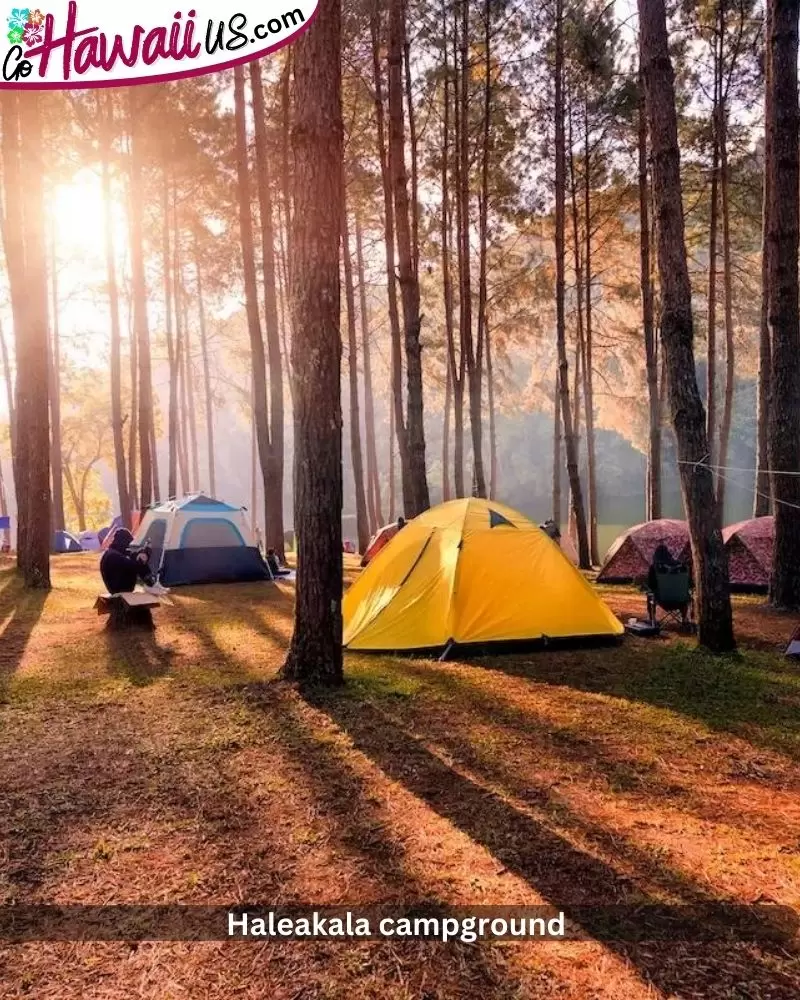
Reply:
x=629, y=558
x=749, y=545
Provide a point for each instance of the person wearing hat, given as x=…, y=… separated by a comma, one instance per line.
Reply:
x=121, y=569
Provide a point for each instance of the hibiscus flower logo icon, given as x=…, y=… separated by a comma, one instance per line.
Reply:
x=33, y=34
x=18, y=19
x=16, y=24
x=36, y=17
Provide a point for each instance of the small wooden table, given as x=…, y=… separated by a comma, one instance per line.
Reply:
x=128, y=610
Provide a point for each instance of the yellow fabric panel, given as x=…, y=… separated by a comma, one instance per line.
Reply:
x=450, y=575
x=405, y=603
x=516, y=583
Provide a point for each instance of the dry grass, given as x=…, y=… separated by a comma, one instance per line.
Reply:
x=172, y=769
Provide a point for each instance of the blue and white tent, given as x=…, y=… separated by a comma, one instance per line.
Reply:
x=63, y=541
x=200, y=540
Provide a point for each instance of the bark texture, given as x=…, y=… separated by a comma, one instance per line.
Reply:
x=677, y=334
x=783, y=168
x=315, y=654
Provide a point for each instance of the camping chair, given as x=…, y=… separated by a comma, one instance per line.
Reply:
x=673, y=594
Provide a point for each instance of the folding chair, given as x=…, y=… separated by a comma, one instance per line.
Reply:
x=673, y=595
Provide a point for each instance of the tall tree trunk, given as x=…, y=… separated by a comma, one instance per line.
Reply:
x=172, y=354
x=580, y=339
x=315, y=654
x=181, y=397
x=392, y=484
x=727, y=264
x=391, y=275
x=11, y=412
x=557, y=449
x=492, y=414
x=209, y=397
x=588, y=365
x=474, y=378
x=105, y=112
x=459, y=374
x=133, y=430
x=573, y=473
x=258, y=357
x=483, y=222
x=191, y=410
x=362, y=525
x=14, y=245
x=762, y=501
x=139, y=292
x=783, y=125
x=286, y=212
x=188, y=484
x=33, y=426
x=653, y=505
x=708, y=551
x=254, y=470
x=154, y=454
x=9, y=390
x=711, y=376
x=274, y=502
x=412, y=142
x=409, y=280
x=283, y=295
x=447, y=493
x=54, y=389
x=373, y=478
x=455, y=373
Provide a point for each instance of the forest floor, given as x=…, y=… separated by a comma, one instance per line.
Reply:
x=169, y=769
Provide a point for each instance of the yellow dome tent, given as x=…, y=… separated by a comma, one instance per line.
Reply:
x=471, y=571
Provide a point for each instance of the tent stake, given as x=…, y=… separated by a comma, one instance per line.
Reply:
x=446, y=652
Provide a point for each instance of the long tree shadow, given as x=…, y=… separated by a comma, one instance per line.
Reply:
x=20, y=610
x=591, y=757
x=747, y=697
x=361, y=829
x=563, y=874
x=137, y=655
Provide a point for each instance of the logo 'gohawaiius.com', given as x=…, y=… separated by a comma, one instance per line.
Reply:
x=97, y=44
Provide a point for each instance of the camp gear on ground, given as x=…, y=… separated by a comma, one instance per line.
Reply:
x=471, y=571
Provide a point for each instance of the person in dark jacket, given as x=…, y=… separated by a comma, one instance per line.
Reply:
x=662, y=559
x=121, y=569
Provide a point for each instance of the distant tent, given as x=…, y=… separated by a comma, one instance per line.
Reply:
x=630, y=556
x=471, y=571
x=749, y=545
x=64, y=542
x=106, y=534
x=200, y=540
x=379, y=540
x=90, y=541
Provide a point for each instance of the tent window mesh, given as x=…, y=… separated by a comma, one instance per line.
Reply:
x=201, y=534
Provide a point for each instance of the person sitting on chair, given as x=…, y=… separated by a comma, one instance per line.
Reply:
x=274, y=565
x=664, y=561
x=122, y=569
